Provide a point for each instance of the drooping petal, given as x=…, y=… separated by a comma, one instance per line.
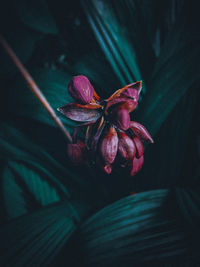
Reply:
x=81, y=89
x=141, y=131
x=136, y=85
x=137, y=165
x=139, y=146
x=75, y=112
x=126, y=147
x=77, y=152
x=109, y=146
x=121, y=118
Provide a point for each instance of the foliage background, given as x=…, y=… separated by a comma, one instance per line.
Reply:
x=54, y=214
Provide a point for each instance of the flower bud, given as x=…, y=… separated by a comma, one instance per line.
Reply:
x=141, y=131
x=121, y=118
x=126, y=148
x=137, y=165
x=76, y=152
x=109, y=146
x=132, y=93
x=139, y=146
x=81, y=89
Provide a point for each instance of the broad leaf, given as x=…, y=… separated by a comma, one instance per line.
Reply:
x=164, y=160
x=113, y=40
x=25, y=190
x=136, y=229
x=53, y=84
x=36, y=238
x=175, y=72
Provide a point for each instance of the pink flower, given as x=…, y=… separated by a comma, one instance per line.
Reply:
x=110, y=135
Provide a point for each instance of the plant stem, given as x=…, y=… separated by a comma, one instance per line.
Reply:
x=33, y=86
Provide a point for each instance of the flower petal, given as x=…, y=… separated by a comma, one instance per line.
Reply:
x=81, y=89
x=132, y=93
x=75, y=112
x=130, y=105
x=137, y=165
x=124, y=102
x=126, y=148
x=109, y=146
x=139, y=146
x=96, y=96
x=140, y=131
x=121, y=118
x=136, y=85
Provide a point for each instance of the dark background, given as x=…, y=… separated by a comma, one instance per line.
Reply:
x=113, y=43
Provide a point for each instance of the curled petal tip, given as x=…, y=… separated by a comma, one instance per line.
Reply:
x=140, y=131
x=137, y=165
x=81, y=89
x=107, y=169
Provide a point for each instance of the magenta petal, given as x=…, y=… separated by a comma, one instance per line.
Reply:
x=75, y=113
x=126, y=147
x=123, y=102
x=121, y=118
x=140, y=131
x=135, y=86
x=81, y=89
x=132, y=93
x=139, y=146
x=137, y=165
x=107, y=169
x=76, y=152
x=130, y=105
x=109, y=146
x=115, y=101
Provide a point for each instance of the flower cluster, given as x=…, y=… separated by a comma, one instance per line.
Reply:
x=110, y=136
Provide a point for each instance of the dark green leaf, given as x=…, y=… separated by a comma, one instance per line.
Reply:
x=53, y=84
x=25, y=190
x=135, y=230
x=164, y=160
x=113, y=40
x=35, y=239
x=175, y=72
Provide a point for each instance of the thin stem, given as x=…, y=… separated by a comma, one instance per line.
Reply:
x=33, y=86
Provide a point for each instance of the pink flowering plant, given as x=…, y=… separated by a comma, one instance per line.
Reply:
x=111, y=137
